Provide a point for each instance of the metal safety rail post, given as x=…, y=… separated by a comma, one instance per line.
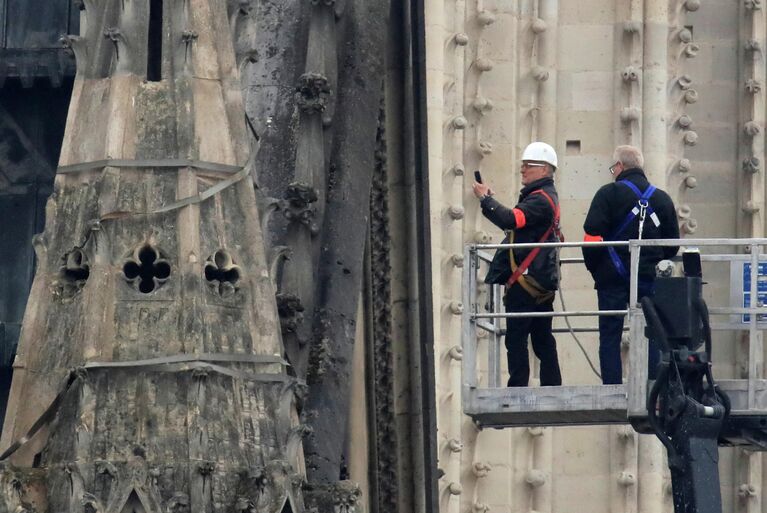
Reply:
x=492, y=404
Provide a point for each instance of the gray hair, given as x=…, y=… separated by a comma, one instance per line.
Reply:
x=629, y=156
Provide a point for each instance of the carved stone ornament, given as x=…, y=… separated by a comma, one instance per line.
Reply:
x=179, y=503
x=116, y=36
x=188, y=37
x=485, y=148
x=459, y=122
x=206, y=468
x=692, y=5
x=486, y=17
x=91, y=504
x=683, y=211
x=753, y=86
x=461, y=39
x=690, y=226
x=747, y=491
x=538, y=26
x=341, y=497
x=267, y=488
x=483, y=64
x=630, y=74
x=753, y=5
x=751, y=165
x=690, y=96
x=221, y=273
x=752, y=128
x=146, y=269
x=456, y=212
x=691, y=49
x=291, y=312
x=630, y=114
x=312, y=92
x=481, y=469
x=244, y=7
x=632, y=27
x=753, y=45
x=540, y=73
x=684, y=81
x=73, y=274
x=244, y=505
x=297, y=202
x=750, y=207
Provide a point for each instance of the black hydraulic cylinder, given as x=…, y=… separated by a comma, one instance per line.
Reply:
x=685, y=407
x=695, y=467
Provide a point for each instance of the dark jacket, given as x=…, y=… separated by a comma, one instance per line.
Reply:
x=535, y=211
x=609, y=209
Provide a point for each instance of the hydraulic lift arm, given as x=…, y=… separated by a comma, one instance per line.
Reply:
x=686, y=409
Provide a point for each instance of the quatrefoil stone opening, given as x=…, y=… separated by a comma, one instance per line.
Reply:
x=222, y=273
x=73, y=273
x=146, y=270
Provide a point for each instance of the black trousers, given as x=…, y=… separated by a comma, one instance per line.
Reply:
x=539, y=330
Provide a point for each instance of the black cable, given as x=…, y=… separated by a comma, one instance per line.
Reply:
x=652, y=416
x=718, y=392
x=702, y=308
x=654, y=322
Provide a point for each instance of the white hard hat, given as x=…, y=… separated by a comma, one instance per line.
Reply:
x=541, y=152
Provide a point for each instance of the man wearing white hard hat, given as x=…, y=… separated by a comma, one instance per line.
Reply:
x=531, y=276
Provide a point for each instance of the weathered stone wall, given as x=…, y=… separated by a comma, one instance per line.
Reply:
x=681, y=79
x=152, y=326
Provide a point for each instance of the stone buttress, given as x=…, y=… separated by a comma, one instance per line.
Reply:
x=152, y=327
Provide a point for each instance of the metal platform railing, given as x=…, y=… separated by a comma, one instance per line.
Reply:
x=493, y=405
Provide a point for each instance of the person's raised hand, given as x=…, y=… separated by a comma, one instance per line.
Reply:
x=481, y=189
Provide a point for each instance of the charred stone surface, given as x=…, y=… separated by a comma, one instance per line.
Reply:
x=342, y=249
x=313, y=91
x=156, y=339
x=381, y=299
x=341, y=497
x=291, y=312
x=313, y=79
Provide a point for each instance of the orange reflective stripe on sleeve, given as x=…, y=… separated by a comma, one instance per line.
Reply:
x=592, y=238
x=519, y=218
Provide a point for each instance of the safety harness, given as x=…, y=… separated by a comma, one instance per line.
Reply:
x=641, y=209
x=517, y=271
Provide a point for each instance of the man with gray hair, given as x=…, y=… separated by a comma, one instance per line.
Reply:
x=628, y=208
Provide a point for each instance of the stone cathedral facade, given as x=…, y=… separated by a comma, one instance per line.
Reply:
x=290, y=340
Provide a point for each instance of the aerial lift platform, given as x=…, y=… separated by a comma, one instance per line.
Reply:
x=492, y=404
x=685, y=408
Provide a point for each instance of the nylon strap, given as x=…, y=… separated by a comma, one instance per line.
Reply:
x=195, y=365
x=177, y=363
x=527, y=283
x=616, y=260
x=203, y=357
x=153, y=163
x=517, y=273
x=640, y=196
x=48, y=415
x=191, y=200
